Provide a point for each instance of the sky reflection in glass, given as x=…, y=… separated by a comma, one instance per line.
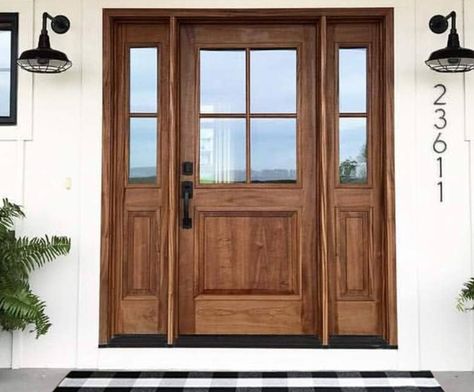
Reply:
x=143, y=80
x=273, y=150
x=222, y=81
x=352, y=80
x=273, y=81
x=143, y=150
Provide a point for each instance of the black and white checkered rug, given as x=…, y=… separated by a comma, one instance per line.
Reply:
x=108, y=381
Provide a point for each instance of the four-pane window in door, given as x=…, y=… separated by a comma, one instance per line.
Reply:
x=143, y=137
x=248, y=116
x=8, y=68
x=353, y=127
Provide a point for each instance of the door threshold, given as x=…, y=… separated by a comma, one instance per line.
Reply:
x=248, y=341
x=137, y=341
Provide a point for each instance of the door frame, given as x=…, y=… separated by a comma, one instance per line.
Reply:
x=112, y=18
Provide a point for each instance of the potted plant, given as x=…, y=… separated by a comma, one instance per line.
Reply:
x=466, y=297
x=19, y=256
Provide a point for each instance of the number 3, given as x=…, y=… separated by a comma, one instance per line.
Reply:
x=442, y=118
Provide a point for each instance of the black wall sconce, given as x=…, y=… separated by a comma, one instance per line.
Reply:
x=44, y=59
x=453, y=58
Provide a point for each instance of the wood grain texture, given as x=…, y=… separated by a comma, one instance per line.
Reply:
x=229, y=316
x=251, y=252
x=249, y=239
x=323, y=185
x=354, y=254
x=173, y=198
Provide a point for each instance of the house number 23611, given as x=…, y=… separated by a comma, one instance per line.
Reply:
x=439, y=145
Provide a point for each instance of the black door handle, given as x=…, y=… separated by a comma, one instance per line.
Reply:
x=187, y=195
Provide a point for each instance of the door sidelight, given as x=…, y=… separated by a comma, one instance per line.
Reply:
x=187, y=195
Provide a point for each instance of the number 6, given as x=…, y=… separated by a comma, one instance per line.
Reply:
x=439, y=146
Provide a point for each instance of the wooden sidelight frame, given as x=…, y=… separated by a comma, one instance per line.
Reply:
x=322, y=19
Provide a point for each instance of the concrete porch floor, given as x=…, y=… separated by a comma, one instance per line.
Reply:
x=44, y=380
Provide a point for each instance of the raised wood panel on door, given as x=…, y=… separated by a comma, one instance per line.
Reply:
x=140, y=245
x=252, y=252
x=354, y=254
x=248, y=265
x=355, y=260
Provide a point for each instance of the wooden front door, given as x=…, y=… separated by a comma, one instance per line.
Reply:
x=247, y=259
x=248, y=184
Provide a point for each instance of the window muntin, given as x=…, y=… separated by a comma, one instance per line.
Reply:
x=143, y=139
x=247, y=109
x=8, y=68
x=353, y=126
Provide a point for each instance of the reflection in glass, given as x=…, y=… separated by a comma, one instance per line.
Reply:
x=143, y=151
x=222, y=81
x=352, y=80
x=273, y=150
x=143, y=80
x=5, y=75
x=352, y=150
x=273, y=81
x=222, y=151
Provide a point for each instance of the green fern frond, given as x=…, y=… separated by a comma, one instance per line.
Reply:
x=466, y=296
x=19, y=306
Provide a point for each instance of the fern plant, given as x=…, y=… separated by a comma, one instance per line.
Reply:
x=466, y=297
x=19, y=306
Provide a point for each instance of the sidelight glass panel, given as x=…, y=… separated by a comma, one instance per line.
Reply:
x=353, y=150
x=273, y=150
x=143, y=151
x=5, y=72
x=222, y=151
x=273, y=81
x=143, y=80
x=222, y=81
x=352, y=80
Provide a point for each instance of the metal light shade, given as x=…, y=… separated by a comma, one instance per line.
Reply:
x=44, y=59
x=452, y=58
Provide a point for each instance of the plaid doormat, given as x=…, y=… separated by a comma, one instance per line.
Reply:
x=136, y=381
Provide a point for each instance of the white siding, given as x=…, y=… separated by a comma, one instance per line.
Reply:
x=59, y=137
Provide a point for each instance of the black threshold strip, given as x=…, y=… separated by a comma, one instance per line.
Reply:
x=249, y=341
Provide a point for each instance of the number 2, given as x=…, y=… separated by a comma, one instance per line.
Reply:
x=438, y=100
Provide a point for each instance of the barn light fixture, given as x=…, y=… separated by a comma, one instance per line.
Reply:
x=44, y=59
x=453, y=58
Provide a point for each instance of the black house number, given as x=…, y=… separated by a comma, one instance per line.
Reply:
x=439, y=144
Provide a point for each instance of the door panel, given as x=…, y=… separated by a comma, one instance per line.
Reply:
x=355, y=180
x=141, y=181
x=247, y=265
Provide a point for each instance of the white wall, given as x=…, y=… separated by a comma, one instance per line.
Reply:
x=59, y=137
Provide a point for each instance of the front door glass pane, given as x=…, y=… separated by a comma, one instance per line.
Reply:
x=353, y=150
x=273, y=81
x=143, y=151
x=273, y=150
x=222, y=81
x=222, y=151
x=352, y=80
x=143, y=80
